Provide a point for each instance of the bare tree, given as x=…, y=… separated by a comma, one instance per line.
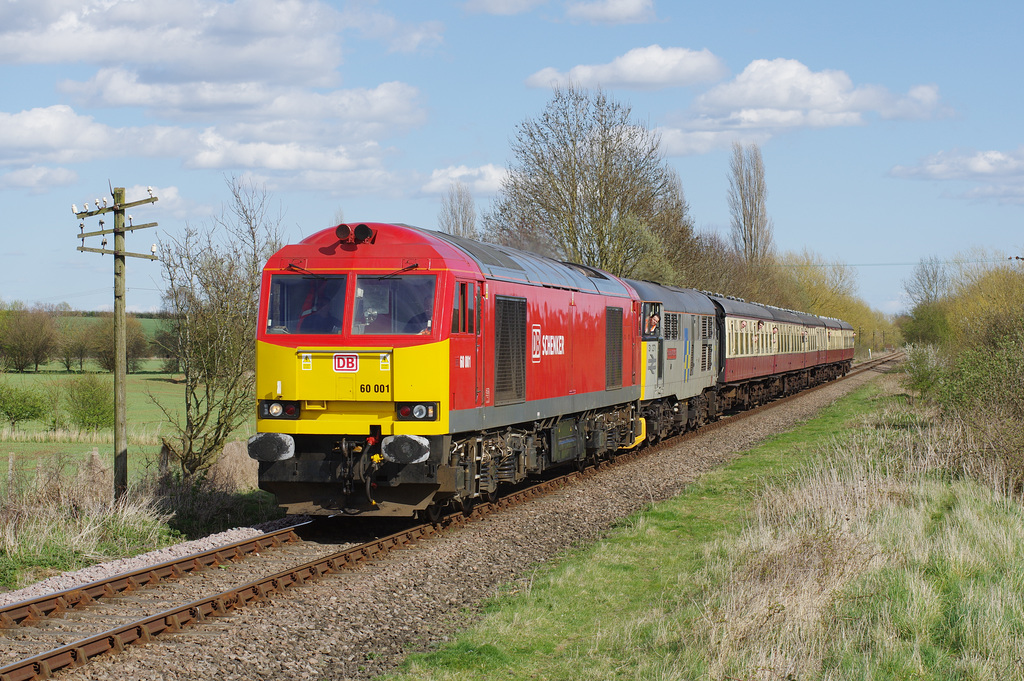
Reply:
x=212, y=274
x=30, y=338
x=587, y=183
x=748, y=194
x=74, y=341
x=714, y=265
x=458, y=212
x=101, y=344
x=929, y=282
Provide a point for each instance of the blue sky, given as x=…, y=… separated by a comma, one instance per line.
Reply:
x=890, y=131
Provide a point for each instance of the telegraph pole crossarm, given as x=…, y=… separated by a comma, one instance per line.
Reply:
x=120, y=336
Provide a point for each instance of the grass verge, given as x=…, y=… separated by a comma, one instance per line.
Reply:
x=61, y=517
x=849, y=548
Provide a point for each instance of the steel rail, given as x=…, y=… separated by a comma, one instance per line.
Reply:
x=33, y=610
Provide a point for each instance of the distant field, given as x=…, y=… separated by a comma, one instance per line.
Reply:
x=32, y=442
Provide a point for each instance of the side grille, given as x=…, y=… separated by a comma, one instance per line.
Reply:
x=613, y=347
x=509, y=350
x=671, y=326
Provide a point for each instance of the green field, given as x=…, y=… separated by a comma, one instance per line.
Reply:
x=146, y=423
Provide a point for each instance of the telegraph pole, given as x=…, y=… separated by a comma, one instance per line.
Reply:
x=120, y=337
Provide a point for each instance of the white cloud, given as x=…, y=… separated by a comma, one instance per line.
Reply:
x=275, y=111
x=58, y=135
x=502, y=7
x=692, y=142
x=54, y=134
x=771, y=96
x=184, y=40
x=781, y=84
x=216, y=151
x=399, y=36
x=786, y=93
x=484, y=180
x=612, y=11
x=642, y=68
x=996, y=175
x=39, y=179
x=967, y=166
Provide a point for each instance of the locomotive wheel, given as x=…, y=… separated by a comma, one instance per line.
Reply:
x=431, y=514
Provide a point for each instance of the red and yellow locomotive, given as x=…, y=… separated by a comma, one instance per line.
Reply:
x=400, y=370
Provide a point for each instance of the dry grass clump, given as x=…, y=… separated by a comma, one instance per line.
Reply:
x=234, y=470
x=62, y=516
x=886, y=558
x=223, y=497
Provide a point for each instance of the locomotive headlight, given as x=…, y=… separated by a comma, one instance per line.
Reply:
x=416, y=411
x=278, y=409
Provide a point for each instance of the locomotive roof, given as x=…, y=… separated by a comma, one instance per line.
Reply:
x=493, y=260
x=510, y=264
x=673, y=297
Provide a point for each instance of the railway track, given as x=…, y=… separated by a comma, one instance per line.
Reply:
x=65, y=630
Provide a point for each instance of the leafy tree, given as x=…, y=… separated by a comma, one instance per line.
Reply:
x=713, y=266
x=458, y=214
x=589, y=185
x=18, y=404
x=826, y=287
x=927, y=323
x=212, y=276
x=986, y=299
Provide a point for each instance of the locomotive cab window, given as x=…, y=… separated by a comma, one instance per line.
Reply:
x=306, y=304
x=393, y=305
x=650, y=320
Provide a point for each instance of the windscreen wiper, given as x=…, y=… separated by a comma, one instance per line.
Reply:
x=299, y=268
x=397, y=272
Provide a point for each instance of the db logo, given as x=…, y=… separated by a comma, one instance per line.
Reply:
x=536, y=343
x=346, y=363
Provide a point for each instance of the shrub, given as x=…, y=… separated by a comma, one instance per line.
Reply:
x=924, y=368
x=983, y=389
x=19, y=404
x=90, y=402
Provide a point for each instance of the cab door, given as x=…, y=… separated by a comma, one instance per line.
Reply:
x=651, y=324
x=466, y=346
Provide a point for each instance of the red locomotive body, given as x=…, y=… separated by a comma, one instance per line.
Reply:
x=446, y=368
